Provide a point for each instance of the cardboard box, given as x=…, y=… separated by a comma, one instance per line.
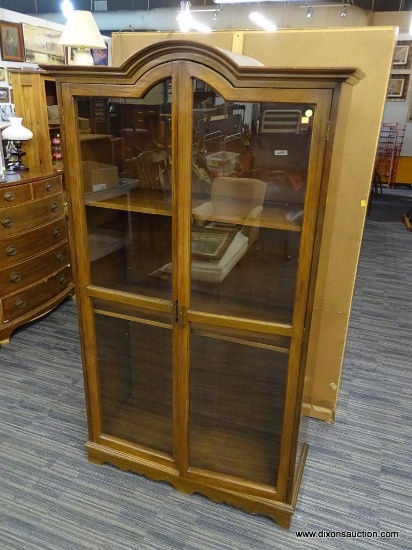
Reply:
x=222, y=163
x=98, y=176
x=222, y=159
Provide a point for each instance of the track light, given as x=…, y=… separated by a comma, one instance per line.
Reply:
x=343, y=7
x=66, y=7
x=262, y=22
x=186, y=21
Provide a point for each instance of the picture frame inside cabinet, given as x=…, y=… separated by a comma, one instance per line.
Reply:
x=211, y=243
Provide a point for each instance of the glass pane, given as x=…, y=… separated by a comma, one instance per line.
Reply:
x=134, y=354
x=237, y=393
x=126, y=160
x=248, y=189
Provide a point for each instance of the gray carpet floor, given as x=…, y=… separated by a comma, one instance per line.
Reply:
x=358, y=475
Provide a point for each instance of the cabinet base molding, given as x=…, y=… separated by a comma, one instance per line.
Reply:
x=281, y=513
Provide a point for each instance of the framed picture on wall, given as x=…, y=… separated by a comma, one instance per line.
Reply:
x=11, y=41
x=398, y=87
x=100, y=56
x=6, y=112
x=42, y=45
x=4, y=95
x=401, y=54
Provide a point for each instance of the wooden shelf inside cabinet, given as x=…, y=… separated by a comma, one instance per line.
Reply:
x=145, y=201
x=138, y=200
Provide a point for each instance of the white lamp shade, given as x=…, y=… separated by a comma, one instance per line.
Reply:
x=16, y=131
x=81, y=31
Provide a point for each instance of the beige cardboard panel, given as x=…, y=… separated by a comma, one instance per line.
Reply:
x=346, y=218
x=126, y=44
x=325, y=355
x=352, y=197
x=352, y=175
x=398, y=18
x=348, y=195
x=359, y=47
x=338, y=276
x=322, y=273
x=339, y=140
x=364, y=119
x=370, y=49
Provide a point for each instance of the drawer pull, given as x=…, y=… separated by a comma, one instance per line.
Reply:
x=15, y=277
x=62, y=279
x=60, y=256
x=49, y=187
x=11, y=250
x=54, y=207
x=57, y=232
x=7, y=222
x=9, y=196
x=20, y=304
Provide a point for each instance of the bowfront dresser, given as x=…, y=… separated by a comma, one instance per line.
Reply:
x=35, y=272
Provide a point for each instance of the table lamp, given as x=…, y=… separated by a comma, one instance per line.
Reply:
x=81, y=32
x=16, y=133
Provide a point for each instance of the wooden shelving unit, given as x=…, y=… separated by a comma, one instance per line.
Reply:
x=33, y=92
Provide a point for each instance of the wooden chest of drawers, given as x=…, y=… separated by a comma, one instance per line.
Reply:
x=35, y=272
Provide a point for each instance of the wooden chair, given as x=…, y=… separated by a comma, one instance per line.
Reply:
x=154, y=170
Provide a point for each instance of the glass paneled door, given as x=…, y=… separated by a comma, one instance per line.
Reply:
x=250, y=177
x=126, y=163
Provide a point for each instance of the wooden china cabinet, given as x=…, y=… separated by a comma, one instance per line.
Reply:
x=196, y=256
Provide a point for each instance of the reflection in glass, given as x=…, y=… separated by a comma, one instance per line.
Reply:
x=255, y=157
x=135, y=383
x=237, y=391
x=126, y=160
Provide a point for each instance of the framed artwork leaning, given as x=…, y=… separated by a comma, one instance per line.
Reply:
x=11, y=41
